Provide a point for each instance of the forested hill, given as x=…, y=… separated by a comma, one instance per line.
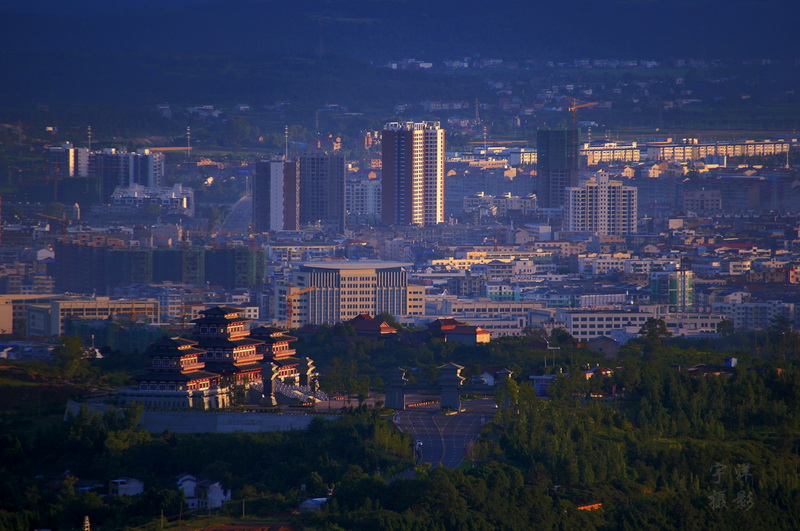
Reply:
x=382, y=28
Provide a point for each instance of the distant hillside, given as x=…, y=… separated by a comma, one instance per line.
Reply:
x=409, y=27
x=145, y=50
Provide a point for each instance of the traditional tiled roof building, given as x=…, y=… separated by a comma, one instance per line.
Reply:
x=438, y=326
x=201, y=372
x=366, y=325
x=453, y=330
x=229, y=352
x=176, y=379
x=275, y=347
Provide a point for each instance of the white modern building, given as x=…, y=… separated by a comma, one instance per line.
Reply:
x=363, y=198
x=688, y=149
x=599, y=151
x=413, y=173
x=143, y=167
x=332, y=292
x=756, y=315
x=585, y=324
x=175, y=199
x=603, y=207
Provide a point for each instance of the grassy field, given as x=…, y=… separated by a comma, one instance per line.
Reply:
x=28, y=392
x=217, y=522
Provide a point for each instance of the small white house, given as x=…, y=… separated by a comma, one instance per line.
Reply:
x=187, y=483
x=202, y=494
x=210, y=494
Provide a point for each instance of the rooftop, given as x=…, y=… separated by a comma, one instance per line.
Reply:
x=356, y=265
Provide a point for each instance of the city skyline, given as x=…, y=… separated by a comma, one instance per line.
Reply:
x=515, y=265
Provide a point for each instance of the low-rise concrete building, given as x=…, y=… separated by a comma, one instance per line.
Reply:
x=45, y=320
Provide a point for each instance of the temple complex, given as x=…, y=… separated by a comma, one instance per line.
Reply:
x=223, y=356
x=222, y=333
x=176, y=379
x=276, y=348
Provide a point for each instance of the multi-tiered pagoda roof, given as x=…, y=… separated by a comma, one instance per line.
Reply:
x=176, y=359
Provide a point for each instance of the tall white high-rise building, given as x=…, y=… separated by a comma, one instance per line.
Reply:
x=275, y=190
x=413, y=173
x=603, y=207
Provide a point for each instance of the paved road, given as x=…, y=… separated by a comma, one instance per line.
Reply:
x=445, y=438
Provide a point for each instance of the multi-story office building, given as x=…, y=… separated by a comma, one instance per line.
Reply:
x=177, y=199
x=50, y=319
x=332, y=292
x=558, y=165
x=94, y=267
x=67, y=161
x=585, y=324
x=14, y=310
x=501, y=206
x=599, y=151
x=702, y=200
x=413, y=173
x=114, y=168
x=756, y=315
x=322, y=189
x=692, y=149
x=522, y=157
x=602, y=207
x=481, y=307
x=275, y=190
x=601, y=264
x=363, y=200
x=675, y=288
x=110, y=167
x=99, y=267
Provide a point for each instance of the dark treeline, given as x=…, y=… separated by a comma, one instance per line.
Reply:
x=347, y=361
x=40, y=470
x=651, y=446
x=679, y=452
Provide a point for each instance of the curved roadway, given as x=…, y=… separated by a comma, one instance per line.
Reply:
x=239, y=218
x=445, y=439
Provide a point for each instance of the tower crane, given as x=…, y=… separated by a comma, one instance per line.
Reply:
x=289, y=297
x=64, y=221
x=573, y=109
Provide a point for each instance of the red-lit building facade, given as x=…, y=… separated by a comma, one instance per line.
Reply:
x=276, y=348
x=222, y=333
x=176, y=379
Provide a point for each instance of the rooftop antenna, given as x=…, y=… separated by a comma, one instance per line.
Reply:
x=485, y=142
x=188, y=143
x=89, y=132
x=286, y=140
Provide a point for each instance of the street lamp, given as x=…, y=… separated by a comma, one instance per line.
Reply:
x=554, y=354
